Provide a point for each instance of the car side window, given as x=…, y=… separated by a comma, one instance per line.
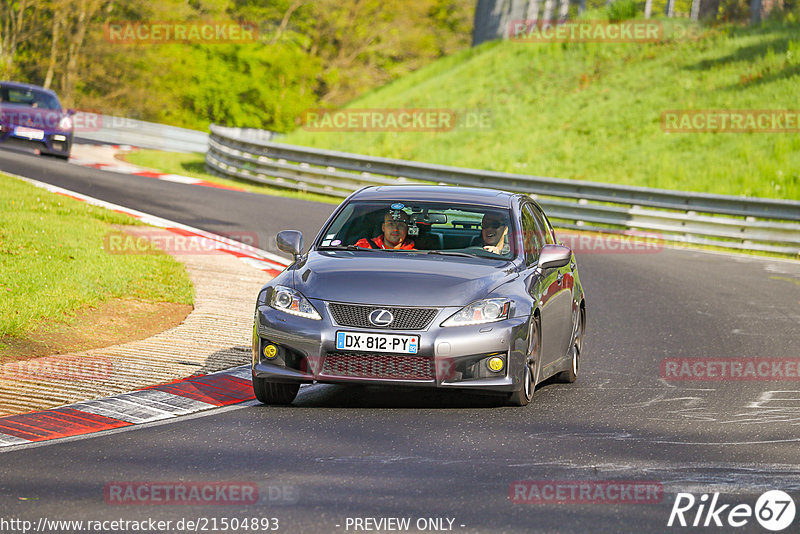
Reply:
x=544, y=226
x=532, y=236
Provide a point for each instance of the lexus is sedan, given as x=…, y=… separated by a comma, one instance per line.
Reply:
x=32, y=117
x=422, y=286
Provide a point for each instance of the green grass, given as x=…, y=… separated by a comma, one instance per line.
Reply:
x=52, y=260
x=193, y=165
x=591, y=111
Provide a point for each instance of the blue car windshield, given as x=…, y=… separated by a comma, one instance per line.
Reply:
x=435, y=227
x=29, y=97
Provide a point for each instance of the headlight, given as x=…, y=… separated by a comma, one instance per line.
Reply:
x=290, y=301
x=481, y=311
x=65, y=124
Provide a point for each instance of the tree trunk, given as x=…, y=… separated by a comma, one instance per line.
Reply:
x=532, y=14
x=709, y=9
x=58, y=20
x=563, y=12
x=83, y=16
x=695, y=14
x=765, y=8
x=13, y=29
x=648, y=9
x=755, y=11
x=670, y=9
x=549, y=7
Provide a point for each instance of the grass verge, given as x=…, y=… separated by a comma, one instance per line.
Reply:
x=52, y=260
x=593, y=111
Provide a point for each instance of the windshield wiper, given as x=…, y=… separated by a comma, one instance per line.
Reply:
x=450, y=253
x=342, y=247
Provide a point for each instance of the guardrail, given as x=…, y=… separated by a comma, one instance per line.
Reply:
x=126, y=131
x=727, y=221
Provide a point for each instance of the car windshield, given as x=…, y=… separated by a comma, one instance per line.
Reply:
x=433, y=227
x=29, y=97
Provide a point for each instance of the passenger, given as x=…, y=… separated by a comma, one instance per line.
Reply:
x=494, y=232
x=395, y=233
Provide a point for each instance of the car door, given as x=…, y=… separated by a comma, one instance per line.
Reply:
x=561, y=294
x=543, y=287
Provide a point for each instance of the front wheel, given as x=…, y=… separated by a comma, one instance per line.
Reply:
x=274, y=392
x=524, y=394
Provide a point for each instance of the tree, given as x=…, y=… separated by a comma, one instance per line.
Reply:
x=19, y=26
x=761, y=9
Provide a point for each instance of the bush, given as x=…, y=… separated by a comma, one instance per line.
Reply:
x=623, y=10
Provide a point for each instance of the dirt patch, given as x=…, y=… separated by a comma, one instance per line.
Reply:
x=111, y=323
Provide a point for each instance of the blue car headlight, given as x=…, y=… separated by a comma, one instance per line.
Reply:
x=292, y=301
x=479, y=312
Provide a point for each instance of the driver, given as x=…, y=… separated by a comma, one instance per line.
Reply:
x=395, y=233
x=494, y=232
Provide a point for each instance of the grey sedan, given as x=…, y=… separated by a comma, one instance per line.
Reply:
x=422, y=286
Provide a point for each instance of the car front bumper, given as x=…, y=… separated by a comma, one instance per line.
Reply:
x=54, y=143
x=448, y=357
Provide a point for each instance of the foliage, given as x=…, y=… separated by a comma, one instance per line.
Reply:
x=623, y=10
x=307, y=54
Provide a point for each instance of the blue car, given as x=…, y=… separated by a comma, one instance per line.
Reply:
x=32, y=117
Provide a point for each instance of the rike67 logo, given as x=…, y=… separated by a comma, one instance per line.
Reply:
x=774, y=510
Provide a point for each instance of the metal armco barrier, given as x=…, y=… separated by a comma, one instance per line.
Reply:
x=125, y=131
x=733, y=222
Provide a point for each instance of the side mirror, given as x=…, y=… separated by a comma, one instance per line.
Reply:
x=554, y=256
x=291, y=242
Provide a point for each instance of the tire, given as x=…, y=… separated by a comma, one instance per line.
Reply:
x=524, y=394
x=570, y=375
x=274, y=392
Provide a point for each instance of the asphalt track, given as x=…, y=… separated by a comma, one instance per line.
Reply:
x=360, y=452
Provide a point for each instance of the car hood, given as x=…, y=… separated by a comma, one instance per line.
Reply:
x=398, y=278
x=43, y=119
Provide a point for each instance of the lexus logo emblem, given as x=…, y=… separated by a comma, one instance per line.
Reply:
x=381, y=317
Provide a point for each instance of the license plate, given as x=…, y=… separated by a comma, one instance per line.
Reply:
x=28, y=133
x=377, y=342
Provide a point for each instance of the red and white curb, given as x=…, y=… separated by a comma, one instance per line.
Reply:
x=146, y=405
x=255, y=257
x=133, y=170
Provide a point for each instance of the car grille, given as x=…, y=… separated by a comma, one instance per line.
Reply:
x=392, y=366
x=404, y=318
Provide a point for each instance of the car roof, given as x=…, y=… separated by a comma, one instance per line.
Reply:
x=27, y=86
x=448, y=193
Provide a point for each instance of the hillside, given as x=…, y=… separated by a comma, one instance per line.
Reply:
x=592, y=111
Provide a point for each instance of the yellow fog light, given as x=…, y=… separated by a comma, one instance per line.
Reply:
x=270, y=351
x=495, y=364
